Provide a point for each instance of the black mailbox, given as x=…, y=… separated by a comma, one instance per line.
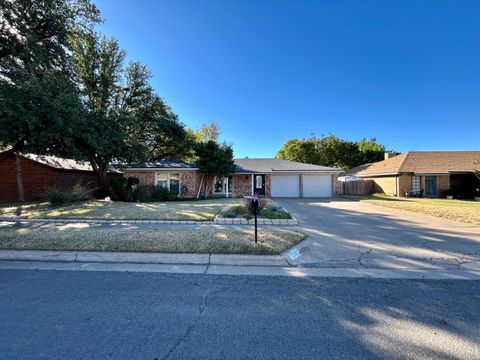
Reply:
x=254, y=203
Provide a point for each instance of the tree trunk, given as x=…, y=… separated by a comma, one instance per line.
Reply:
x=18, y=164
x=200, y=186
x=102, y=175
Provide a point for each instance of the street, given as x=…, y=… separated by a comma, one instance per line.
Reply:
x=119, y=315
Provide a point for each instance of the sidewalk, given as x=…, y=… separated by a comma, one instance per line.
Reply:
x=214, y=264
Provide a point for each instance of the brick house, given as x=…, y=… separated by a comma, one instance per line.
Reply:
x=41, y=172
x=267, y=177
x=424, y=173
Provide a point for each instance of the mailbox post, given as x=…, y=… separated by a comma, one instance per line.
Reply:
x=254, y=204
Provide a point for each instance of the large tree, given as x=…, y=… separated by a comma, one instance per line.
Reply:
x=331, y=151
x=37, y=95
x=125, y=120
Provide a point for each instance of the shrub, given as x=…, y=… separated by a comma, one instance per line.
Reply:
x=275, y=212
x=237, y=211
x=262, y=203
x=57, y=196
x=123, y=188
x=150, y=193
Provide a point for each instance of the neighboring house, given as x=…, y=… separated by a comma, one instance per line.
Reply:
x=41, y=172
x=423, y=173
x=268, y=177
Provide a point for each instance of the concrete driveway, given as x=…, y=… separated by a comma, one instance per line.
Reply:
x=350, y=234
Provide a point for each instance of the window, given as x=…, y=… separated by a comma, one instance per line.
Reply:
x=168, y=181
x=175, y=183
x=222, y=185
x=258, y=181
x=162, y=180
x=416, y=184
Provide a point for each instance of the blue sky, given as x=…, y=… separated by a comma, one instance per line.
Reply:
x=405, y=72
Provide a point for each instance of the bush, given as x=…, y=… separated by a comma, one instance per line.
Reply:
x=123, y=188
x=237, y=211
x=262, y=203
x=155, y=193
x=275, y=212
x=58, y=197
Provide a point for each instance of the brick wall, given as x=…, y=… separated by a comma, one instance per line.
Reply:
x=242, y=185
x=443, y=184
x=386, y=185
x=38, y=177
x=190, y=181
x=404, y=185
x=144, y=177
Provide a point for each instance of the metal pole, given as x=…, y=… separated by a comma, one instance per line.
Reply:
x=255, y=225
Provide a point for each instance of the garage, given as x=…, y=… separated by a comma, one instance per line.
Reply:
x=317, y=185
x=285, y=186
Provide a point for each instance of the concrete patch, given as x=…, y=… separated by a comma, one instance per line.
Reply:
x=258, y=260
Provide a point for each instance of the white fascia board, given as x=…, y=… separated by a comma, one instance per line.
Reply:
x=374, y=175
x=162, y=169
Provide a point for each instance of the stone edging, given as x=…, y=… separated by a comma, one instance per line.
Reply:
x=261, y=221
x=104, y=221
x=217, y=220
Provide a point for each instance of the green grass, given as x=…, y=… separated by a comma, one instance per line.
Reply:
x=197, y=210
x=87, y=237
x=458, y=210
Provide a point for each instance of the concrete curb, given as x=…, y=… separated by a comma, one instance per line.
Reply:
x=143, y=258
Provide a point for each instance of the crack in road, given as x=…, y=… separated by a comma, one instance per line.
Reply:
x=188, y=331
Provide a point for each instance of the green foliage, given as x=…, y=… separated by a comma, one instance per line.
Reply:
x=160, y=193
x=37, y=95
x=123, y=188
x=332, y=151
x=58, y=197
x=215, y=159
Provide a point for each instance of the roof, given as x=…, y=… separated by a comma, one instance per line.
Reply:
x=165, y=164
x=249, y=166
x=242, y=166
x=422, y=162
x=59, y=163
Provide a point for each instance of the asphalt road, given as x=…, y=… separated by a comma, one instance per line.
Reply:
x=106, y=315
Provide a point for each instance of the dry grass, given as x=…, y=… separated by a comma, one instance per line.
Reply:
x=200, y=210
x=458, y=210
x=87, y=237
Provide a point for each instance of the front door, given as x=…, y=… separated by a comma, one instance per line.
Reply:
x=431, y=186
x=259, y=184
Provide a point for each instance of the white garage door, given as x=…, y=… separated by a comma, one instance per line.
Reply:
x=317, y=185
x=285, y=186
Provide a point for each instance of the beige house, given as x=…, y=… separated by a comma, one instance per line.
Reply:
x=424, y=173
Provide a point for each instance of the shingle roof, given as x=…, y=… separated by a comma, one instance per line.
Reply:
x=422, y=162
x=59, y=163
x=242, y=166
x=164, y=164
x=249, y=166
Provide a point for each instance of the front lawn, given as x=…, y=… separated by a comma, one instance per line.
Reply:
x=458, y=210
x=196, y=210
x=87, y=237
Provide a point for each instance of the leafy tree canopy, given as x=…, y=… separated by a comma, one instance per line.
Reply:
x=214, y=158
x=207, y=132
x=332, y=151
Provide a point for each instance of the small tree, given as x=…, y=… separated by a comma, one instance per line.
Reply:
x=214, y=159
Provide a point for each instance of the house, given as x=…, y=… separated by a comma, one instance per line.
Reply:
x=424, y=173
x=267, y=177
x=41, y=172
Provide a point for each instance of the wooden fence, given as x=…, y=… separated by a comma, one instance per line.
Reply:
x=359, y=187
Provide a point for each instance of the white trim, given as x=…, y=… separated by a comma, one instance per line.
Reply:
x=224, y=183
x=379, y=174
x=161, y=169
x=253, y=179
x=168, y=181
